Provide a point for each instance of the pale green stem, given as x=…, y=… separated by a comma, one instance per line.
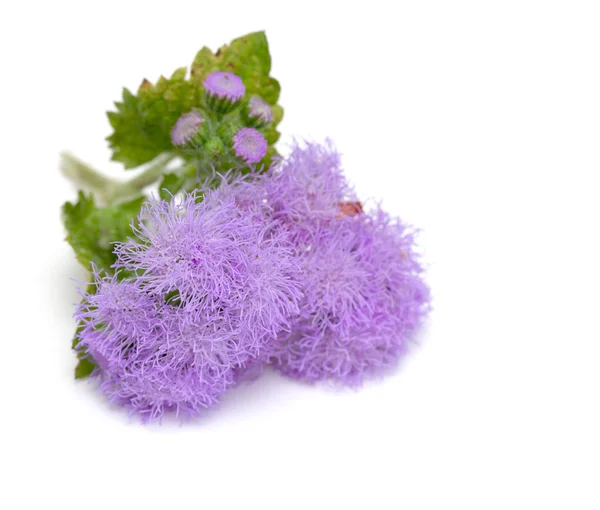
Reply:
x=111, y=190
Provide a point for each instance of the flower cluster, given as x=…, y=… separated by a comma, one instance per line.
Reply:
x=227, y=132
x=245, y=260
x=284, y=267
x=210, y=288
x=364, y=298
x=364, y=295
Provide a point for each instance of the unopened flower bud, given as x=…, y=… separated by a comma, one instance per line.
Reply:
x=257, y=112
x=250, y=145
x=223, y=91
x=214, y=147
x=187, y=127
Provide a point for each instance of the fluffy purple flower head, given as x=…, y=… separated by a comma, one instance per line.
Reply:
x=260, y=110
x=145, y=353
x=250, y=145
x=232, y=271
x=186, y=127
x=364, y=295
x=364, y=299
x=363, y=286
x=116, y=312
x=307, y=189
x=213, y=287
x=225, y=85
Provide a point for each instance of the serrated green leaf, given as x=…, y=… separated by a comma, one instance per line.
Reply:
x=91, y=230
x=142, y=123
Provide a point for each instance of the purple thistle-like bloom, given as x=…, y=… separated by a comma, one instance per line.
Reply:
x=250, y=145
x=213, y=287
x=364, y=292
x=186, y=127
x=260, y=110
x=364, y=299
x=145, y=352
x=364, y=295
x=307, y=189
x=225, y=85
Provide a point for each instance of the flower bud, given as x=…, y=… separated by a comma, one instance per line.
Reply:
x=188, y=128
x=228, y=129
x=214, y=147
x=223, y=91
x=257, y=112
x=250, y=145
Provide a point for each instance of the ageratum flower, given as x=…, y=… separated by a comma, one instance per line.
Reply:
x=213, y=287
x=250, y=145
x=144, y=349
x=186, y=127
x=364, y=299
x=306, y=189
x=364, y=292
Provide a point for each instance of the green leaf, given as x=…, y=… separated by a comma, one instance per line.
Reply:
x=142, y=123
x=92, y=230
x=84, y=368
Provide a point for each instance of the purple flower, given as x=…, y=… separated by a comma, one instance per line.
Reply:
x=250, y=145
x=259, y=111
x=112, y=315
x=364, y=292
x=144, y=349
x=309, y=187
x=224, y=85
x=364, y=295
x=186, y=127
x=213, y=287
x=364, y=299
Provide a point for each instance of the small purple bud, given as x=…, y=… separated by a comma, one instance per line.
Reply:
x=225, y=85
x=259, y=110
x=186, y=127
x=250, y=145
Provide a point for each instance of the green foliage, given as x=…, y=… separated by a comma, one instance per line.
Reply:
x=84, y=368
x=142, y=122
x=92, y=230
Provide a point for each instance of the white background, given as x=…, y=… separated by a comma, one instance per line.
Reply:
x=477, y=121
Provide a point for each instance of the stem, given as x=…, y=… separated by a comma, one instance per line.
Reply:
x=111, y=190
x=84, y=175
